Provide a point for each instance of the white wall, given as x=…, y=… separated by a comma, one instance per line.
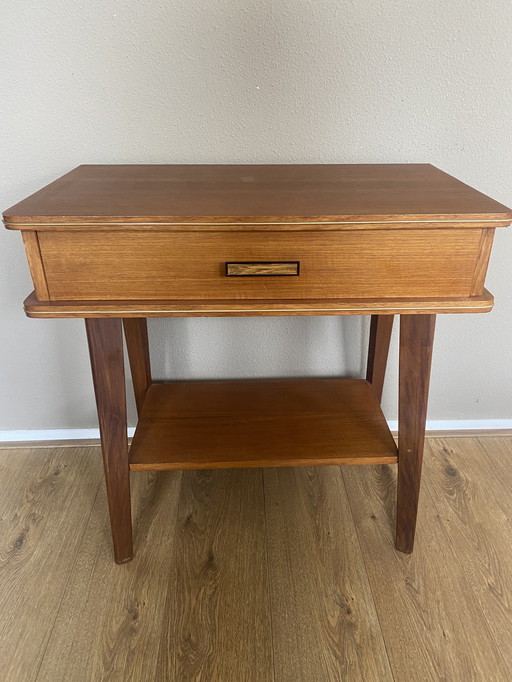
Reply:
x=187, y=81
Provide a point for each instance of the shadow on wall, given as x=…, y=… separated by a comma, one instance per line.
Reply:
x=225, y=348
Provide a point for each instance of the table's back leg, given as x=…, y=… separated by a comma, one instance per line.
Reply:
x=381, y=327
x=137, y=344
x=416, y=341
x=105, y=338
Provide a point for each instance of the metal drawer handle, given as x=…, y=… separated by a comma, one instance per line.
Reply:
x=289, y=268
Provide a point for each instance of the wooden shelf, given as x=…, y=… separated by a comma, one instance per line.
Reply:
x=262, y=423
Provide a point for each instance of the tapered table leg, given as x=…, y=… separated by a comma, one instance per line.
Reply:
x=105, y=338
x=416, y=340
x=136, y=335
x=381, y=327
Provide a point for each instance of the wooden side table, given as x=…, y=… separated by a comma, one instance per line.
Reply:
x=118, y=244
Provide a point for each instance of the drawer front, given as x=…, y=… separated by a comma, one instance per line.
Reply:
x=153, y=265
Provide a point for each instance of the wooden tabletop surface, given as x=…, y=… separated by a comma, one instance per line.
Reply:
x=216, y=194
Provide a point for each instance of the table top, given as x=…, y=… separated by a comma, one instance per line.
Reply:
x=252, y=194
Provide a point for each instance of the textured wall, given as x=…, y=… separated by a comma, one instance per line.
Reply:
x=184, y=81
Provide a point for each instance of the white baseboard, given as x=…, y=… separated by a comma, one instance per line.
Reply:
x=89, y=434
x=461, y=424
x=52, y=434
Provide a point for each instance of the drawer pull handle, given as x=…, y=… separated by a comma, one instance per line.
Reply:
x=263, y=269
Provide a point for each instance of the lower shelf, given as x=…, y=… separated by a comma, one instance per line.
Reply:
x=262, y=423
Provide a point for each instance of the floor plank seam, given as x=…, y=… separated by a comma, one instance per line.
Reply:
x=439, y=511
x=340, y=470
x=465, y=508
x=267, y=562
x=168, y=597
x=489, y=458
x=70, y=574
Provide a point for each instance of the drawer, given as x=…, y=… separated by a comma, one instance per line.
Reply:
x=160, y=265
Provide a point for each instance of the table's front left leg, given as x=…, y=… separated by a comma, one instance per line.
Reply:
x=416, y=340
x=105, y=338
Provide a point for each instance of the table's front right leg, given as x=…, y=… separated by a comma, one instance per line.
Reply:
x=105, y=338
x=416, y=341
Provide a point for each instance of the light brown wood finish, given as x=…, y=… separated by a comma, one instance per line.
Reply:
x=263, y=269
x=440, y=223
x=218, y=624
x=416, y=341
x=31, y=242
x=224, y=424
x=71, y=614
x=381, y=327
x=255, y=194
x=137, y=344
x=387, y=264
x=198, y=308
x=105, y=338
x=325, y=626
x=498, y=449
x=429, y=611
x=380, y=239
x=111, y=617
x=482, y=261
x=479, y=509
x=45, y=503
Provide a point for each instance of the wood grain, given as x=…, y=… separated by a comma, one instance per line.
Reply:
x=111, y=617
x=105, y=339
x=430, y=618
x=498, y=448
x=387, y=264
x=381, y=327
x=198, y=597
x=479, y=509
x=255, y=193
x=482, y=261
x=416, y=343
x=260, y=269
x=97, y=309
x=218, y=625
x=226, y=424
x=35, y=262
x=45, y=502
x=137, y=344
x=325, y=626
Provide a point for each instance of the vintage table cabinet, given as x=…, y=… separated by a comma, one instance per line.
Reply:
x=118, y=244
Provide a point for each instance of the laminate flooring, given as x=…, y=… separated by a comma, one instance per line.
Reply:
x=253, y=575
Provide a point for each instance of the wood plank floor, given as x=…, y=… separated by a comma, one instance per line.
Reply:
x=257, y=574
